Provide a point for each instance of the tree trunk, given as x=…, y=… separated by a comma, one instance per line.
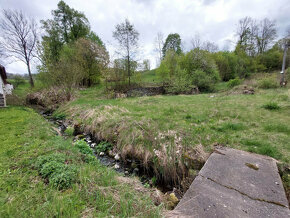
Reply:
x=30, y=75
x=129, y=73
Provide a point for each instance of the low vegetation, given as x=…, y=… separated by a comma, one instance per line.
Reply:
x=49, y=176
x=160, y=129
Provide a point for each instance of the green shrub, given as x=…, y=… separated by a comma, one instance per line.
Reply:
x=69, y=131
x=103, y=147
x=271, y=106
x=227, y=63
x=18, y=80
x=83, y=147
x=56, y=157
x=234, y=82
x=91, y=159
x=64, y=177
x=181, y=73
x=53, y=168
x=50, y=168
x=268, y=83
x=59, y=116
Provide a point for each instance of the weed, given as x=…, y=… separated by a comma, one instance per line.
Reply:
x=64, y=177
x=234, y=82
x=271, y=106
x=69, y=131
x=228, y=126
x=54, y=157
x=83, y=147
x=268, y=83
x=103, y=147
x=50, y=168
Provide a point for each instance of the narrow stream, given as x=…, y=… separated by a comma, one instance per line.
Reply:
x=128, y=168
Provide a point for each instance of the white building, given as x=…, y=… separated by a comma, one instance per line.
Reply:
x=5, y=87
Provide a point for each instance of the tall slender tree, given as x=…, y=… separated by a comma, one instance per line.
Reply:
x=18, y=38
x=172, y=42
x=127, y=37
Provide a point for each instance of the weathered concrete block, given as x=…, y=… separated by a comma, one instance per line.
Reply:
x=235, y=183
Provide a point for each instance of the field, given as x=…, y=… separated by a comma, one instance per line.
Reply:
x=26, y=138
x=162, y=131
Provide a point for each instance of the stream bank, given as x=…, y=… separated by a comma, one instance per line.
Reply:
x=128, y=168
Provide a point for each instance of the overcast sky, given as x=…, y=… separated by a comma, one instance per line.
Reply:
x=214, y=20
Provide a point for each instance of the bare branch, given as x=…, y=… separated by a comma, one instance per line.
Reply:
x=18, y=37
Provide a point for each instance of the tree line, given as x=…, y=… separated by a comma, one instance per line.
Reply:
x=71, y=55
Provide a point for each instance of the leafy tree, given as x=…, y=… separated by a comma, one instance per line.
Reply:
x=81, y=63
x=172, y=42
x=66, y=26
x=272, y=58
x=70, y=23
x=93, y=60
x=146, y=65
x=227, y=63
x=181, y=73
x=127, y=37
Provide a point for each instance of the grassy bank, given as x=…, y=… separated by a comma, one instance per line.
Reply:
x=26, y=140
x=162, y=131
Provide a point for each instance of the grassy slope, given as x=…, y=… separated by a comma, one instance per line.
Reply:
x=25, y=136
x=163, y=130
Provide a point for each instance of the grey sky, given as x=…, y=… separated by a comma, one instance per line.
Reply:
x=214, y=20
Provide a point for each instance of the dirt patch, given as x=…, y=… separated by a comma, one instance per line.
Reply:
x=50, y=99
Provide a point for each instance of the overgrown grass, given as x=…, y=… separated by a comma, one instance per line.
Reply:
x=35, y=164
x=160, y=130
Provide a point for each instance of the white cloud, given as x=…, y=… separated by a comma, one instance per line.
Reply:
x=215, y=20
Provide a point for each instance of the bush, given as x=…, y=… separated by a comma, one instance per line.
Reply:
x=83, y=147
x=103, y=147
x=18, y=80
x=227, y=63
x=203, y=81
x=69, y=131
x=55, y=157
x=234, y=82
x=53, y=168
x=63, y=178
x=50, y=168
x=182, y=73
x=271, y=106
x=268, y=83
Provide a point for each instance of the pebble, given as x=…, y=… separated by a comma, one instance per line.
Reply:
x=117, y=166
x=136, y=170
x=93, y=145
x=102, y=153
x=117, y=157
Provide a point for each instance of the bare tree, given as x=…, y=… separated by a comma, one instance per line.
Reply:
x=127, y=37
x=243, y=29
x=18, y=38
x=196, y=41
x=158, y=43
x=210, y=46
x=266, y=33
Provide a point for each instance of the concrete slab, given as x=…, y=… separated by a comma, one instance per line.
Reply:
x=235, y=183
